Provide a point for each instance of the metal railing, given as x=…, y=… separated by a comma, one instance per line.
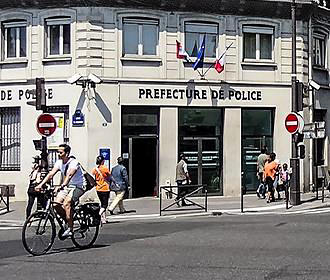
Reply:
x=6, y=191
x=192, y=190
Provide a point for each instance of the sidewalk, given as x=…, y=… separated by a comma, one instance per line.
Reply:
x=148, y=207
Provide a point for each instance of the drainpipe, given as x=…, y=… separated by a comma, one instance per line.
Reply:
x=311, y=99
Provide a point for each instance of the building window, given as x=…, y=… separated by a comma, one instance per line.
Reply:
x=319, y=49
x=258, y=43
x=140, y=37
x=10, y=138
x=14, y=39
x=194, y=33
x=58, y=33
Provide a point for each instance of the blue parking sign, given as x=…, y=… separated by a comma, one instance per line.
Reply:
x=105, y=152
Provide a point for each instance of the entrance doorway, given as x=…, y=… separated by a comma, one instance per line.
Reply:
x=140, y=130
x=257, y=132
x=142, y=166
x=203, y=160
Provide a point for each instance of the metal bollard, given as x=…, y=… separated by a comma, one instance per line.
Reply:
x=242, y=190
x=7, y=198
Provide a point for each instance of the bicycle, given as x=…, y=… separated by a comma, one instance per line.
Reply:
x=39, y=230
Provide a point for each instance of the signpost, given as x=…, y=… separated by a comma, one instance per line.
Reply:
x=46, y=124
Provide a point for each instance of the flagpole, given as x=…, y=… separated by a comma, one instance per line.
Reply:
x=190, y=61
x=219, y=57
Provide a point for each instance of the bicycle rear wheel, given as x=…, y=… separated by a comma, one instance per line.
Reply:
x=38, y=233
x=84, y=235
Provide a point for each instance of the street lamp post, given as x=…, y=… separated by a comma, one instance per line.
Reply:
x=294, y=161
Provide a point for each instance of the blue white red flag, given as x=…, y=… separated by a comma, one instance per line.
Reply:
x=200, y=57
x=219, y=65
x=180, y=52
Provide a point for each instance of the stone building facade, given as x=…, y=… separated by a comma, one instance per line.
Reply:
x=152, y=106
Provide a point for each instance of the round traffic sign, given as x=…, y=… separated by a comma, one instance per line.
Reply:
x=292, y=123
x=46, y=124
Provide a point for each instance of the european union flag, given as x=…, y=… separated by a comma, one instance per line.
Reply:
x=200, y=57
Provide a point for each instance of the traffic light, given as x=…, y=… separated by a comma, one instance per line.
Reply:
x=40, y=94
x=298, y=138
x=41, y=144
x=301, y=150
x=299, y=95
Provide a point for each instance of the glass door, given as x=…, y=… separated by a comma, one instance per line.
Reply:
x=210, y=164
x=257, y=132
x=189, y=148
x=203, y=159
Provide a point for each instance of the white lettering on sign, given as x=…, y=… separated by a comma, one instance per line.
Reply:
x=221, y=94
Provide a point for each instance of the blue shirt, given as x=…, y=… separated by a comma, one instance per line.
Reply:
x=119, y=175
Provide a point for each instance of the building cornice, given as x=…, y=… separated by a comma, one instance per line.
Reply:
x=265, y=8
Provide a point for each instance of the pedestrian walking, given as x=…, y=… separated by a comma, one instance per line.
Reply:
x=262, y=158
x=270, y=169
x=35, y=179
x=285, y=178
x=102, y=178
x=119, y=184
x=182, y=178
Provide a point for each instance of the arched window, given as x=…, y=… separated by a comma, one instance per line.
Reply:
x=58, y=36
x=258, y=43
x=194, y=34
x=140, y=36
x=15, y=39
x=319, y=49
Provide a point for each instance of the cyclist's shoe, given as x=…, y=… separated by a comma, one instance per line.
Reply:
x=67, y=233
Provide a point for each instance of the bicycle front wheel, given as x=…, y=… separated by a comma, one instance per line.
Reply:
x=38, y=233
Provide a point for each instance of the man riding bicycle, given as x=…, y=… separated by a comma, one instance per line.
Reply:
x=72, y=187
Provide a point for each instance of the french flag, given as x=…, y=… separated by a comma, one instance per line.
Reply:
x=180, y=52
x=220, y=64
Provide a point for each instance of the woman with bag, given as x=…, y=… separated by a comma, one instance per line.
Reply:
x=35, y=179
x=102, y=174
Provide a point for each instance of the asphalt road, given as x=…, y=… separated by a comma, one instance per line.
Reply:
x=215, y=247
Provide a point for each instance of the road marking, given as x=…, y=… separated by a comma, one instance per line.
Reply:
x=10, y=224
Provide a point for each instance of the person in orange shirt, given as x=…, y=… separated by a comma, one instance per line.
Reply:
x=270, y=170
x=102, y=177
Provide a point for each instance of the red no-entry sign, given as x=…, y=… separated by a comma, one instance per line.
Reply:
x=46, y=124
x=292, y=123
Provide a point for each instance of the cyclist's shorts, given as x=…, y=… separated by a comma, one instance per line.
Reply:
x=72, y=192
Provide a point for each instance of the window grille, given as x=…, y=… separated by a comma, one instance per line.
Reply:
x=10, y=138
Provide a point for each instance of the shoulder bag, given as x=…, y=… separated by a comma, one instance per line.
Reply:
x=90, y=181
